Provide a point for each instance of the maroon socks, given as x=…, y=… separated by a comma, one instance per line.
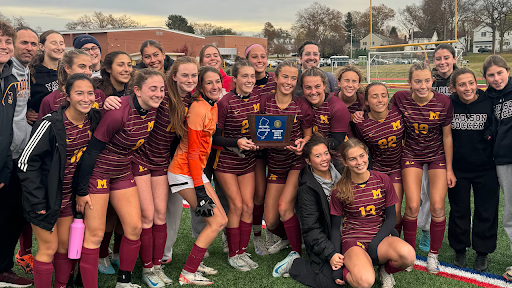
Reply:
x=436, y=235
x=292, y=228
x=26, y=240
x=245, y=236
x=233, y=235
x=194, y=258
x=43, y=274
x=104, y=244
x=146, y=248
x=410, y=226
x=128, y=253
x=257, y=217
x=89, y=267
x=159, y=238
x=63, y=266
x=279, y=230
x=390, y=268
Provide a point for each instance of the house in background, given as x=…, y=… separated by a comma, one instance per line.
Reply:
x=482, y=38
x=378, y=40
x=421, y=37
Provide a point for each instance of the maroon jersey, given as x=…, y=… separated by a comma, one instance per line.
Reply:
x=356, y=106
x=77, y=138
x=56, y=99
x=124, y=130
x=384, y=139
x=268, y=88
x=232, y=118
x=424, y=125
x=331, y=116
x=364, y=217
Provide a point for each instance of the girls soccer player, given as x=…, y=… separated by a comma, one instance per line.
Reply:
x=427, y=117
x=497, y=74
x=47, y=195
x=90, y=45
x=153, y=56
x=285, y=164
x=382, y=131
x=73, y=61
x=210, y=56
x=234, y=170
x=186, y=170
x=109, y=154
x=150, y=164
x=349, y=80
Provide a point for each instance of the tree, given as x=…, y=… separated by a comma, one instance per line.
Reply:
x=178, y=22
x=430, y=16
x=98, y=20
x=350, y=25
x=381, y=16
x=14, y=21
x=280, y=50
x=270, y=33
x=393, y=33
x=208, y=29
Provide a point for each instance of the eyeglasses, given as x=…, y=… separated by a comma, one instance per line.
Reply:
x=93, y=49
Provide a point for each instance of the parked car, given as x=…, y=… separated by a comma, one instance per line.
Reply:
x=484, y=50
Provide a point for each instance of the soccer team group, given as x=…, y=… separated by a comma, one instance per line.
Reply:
x=122, y=145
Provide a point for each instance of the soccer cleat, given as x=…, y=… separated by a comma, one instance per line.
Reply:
x=105, y=266
x=238, y=263
x=151, y=279
x=11, y=279
x=206, y=254
x=460, y=260
x=285, y=265
x=194, y=278
x=127, y=285
x=269, y=239
x=480, y=263
x=115, y=259
x=409, y=269
x=206, y=270
x=159, y=272
x=25, y=262
x=432, y=263
x=507, y=275
x=280, y=245
x=259, y=246
x=247, y=258
x=225, y=247
x=425, y=241
x=388, y=281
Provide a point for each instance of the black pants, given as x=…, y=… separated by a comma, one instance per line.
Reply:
x=11, y=220
x=485, y=217
x=301, y=271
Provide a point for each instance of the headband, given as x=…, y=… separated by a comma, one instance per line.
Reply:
x=250, y=48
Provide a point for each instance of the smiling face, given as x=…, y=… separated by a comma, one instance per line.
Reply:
x=258, y=58
x=465, y=87
x=25, y=46
x=378, y=99
x=310, y=56
x=94, y=51
x=212, y=58
x=444, y=62
x=212, y=86
x=151, y=93
x=186, y=77
x=245, y=80
x=287, y=80
x=319, y=159
x=6, y=48
x=81, y=97
x=153, y=58
x=54, y=46
x=349, y=83
x=356, y=160
x=121, y=69
x=497, y=77
x=421, y=83
x=81, y=64
x=314, y=90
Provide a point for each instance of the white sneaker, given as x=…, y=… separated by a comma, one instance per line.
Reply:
x=259, y=246
x=284, y=266
x=269, y=239
x=206, y=270
x=388, y=281
x=238, y=263
x=225, y=247
x=127, y=285
x=159, y=272
x=247, y=258
x=280, y=245
x=150, y=278
x=432, y=263
x=194, y=278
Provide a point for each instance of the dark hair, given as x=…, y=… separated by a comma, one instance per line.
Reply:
x=39, y=58
x=240, y=62
x=367, y=93
x=67, y=61
x=301, y=48
x=418, y=66
x=350, y=68
x=141, y=76
x=76, y=77
x=315, y=140
x=285, y=63
x=457, y=73
x=344, y=185
x=494, y=60
x=21, y=28
x=200, y=78
x=152, y=43
x=248, y=52
x=450, y=49
x=315, y=72
x=104, y=83
x=203, y=50
x=177, y=108
x=7, y=30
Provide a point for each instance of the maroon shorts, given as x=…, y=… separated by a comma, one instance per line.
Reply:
x=139, y=170
x=349, y=243
x=230, y=163
x=278, y=176
x=100, y=184
x=396, y=177
x=439, y=163
x=67, y=210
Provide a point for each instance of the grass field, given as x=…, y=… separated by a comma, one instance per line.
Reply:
x=262, y=276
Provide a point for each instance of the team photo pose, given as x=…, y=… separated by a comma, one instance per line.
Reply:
x=186, y=170
x=153, y=56
x=366, y=199
x=351, y=93
x=210, y=56
x=427, y=117
x=47, y=167
x=109, y=154
x=472, y=135
x=309, y=56
x=90, y=45
x=284, y=164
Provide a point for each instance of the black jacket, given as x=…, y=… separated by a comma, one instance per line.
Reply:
x=471, y=124
x=45, y=82
x=167, y=64
x=314, y=214
x=9, y=87
x=441, y=84
x=41, y=168
x=502, y=123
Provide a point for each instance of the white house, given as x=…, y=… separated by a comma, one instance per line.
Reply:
x=421, y=37
x=482, y=38
x=378, y=40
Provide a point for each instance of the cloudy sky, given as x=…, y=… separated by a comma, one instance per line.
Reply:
x=242, y=16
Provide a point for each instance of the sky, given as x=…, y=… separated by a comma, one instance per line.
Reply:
x=235, y=14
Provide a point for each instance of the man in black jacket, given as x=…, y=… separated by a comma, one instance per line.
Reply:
x=10, y=203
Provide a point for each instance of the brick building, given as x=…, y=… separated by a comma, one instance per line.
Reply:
x=234, y=45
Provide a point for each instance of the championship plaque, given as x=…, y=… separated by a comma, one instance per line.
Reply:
x=270, y=130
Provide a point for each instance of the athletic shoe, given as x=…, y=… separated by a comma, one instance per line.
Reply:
x=11, y=279
x=225, y=247
x=425, y=241
x=238, y=263
x=194, y=278
x=26, y=262
x=159, y=272
x=480, y=263
x=206, y=254
x=127, y=285
x=270, y=239
x=167, y=261
x=105, y=266
x=280, y=245
x=507, y=275
x=460, y=260
x=432, y=263
x=285, y=265
x=388, y=281
x=206, y=270
x=259, y=246
x=115, y=259
x=151, y=279
x=409, y=269
x=286, y=275
x=247, y=258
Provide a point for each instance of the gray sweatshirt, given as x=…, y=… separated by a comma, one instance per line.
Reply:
x=20, y=126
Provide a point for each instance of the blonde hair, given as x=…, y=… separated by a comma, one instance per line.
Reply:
x=344, y=185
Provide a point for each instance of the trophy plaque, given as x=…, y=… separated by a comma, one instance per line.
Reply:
x=271, y=130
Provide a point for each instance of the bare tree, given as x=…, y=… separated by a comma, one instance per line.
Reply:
x=381, y=15
x=430, y=16
x=495, y=14
x=98, y=20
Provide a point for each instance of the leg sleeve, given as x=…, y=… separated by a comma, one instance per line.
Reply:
x=173, y=218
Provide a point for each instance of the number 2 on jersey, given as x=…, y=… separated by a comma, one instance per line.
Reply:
x=370, y=208
x=245, y=126
x=390, y=142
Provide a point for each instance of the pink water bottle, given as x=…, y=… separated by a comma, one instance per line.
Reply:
x=76, y=237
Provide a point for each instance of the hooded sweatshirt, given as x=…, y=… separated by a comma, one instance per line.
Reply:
x=471, y=123
x=441, y=84
x=9, y=87
x=167, y=64
x=45, y=83
x=502, y=123
x=21, y=128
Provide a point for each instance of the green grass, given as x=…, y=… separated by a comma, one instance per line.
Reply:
x=262, y=277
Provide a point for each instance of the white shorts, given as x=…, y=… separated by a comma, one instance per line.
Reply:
x=178, y=182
